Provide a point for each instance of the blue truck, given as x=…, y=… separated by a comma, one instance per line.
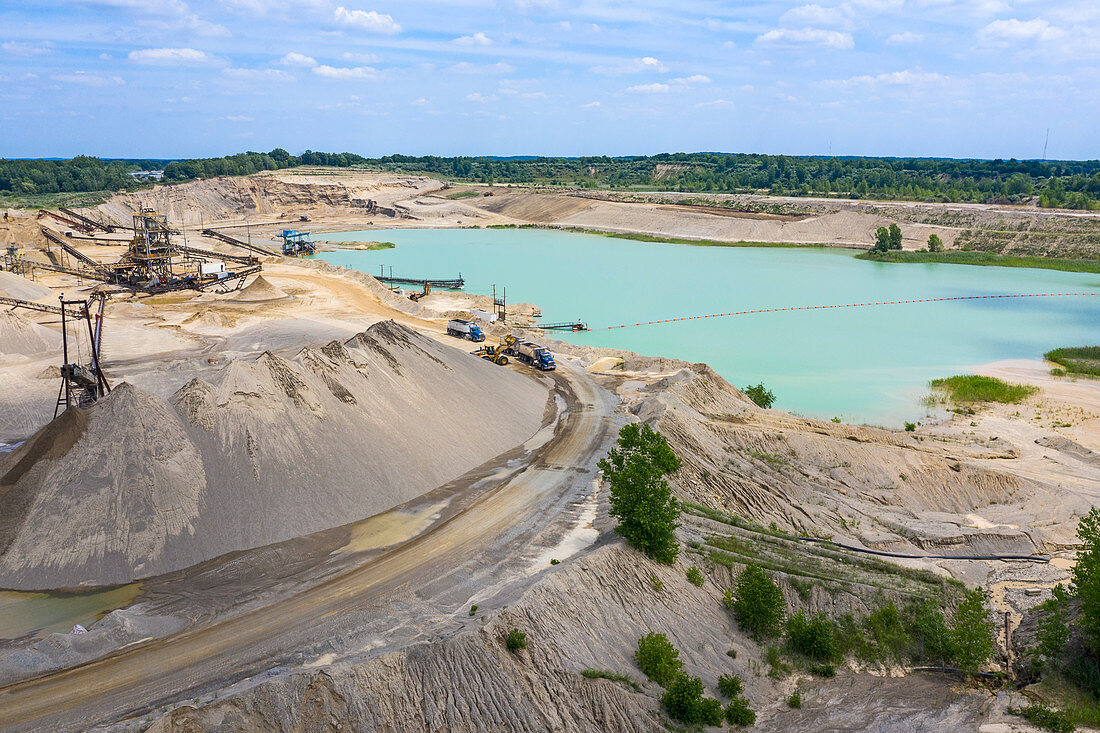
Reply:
x=531, y=354
x=465, y=330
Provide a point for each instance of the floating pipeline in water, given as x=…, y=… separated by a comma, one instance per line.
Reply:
x=845, y=305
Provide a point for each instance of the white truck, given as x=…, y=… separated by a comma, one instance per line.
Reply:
x=465, y=330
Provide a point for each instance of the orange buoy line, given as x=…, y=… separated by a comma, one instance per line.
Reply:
x=846, y=305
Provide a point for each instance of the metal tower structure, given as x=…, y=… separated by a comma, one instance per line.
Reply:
x=81, y=384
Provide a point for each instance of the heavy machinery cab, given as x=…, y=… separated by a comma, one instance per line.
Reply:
x=545, y=360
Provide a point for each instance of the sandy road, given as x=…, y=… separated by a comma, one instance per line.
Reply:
x=143, y=677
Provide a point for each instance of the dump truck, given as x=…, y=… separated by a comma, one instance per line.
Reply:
x=465, y=330
x=531, y=354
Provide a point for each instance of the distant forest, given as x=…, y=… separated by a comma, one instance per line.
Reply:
x=1061, y=184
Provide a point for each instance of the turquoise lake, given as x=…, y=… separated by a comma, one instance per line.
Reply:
x=862, y=364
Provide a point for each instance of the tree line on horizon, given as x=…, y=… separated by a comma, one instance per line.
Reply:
x=1060, y=184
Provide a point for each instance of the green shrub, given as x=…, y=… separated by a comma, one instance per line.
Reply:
x=730, y=686
x=884, y=627
x=739, y=713
x=930, y=635
x=760, y=394
x=473, y=610
x=729, y=600
x=603, y=674
x=640, y=496
x=1086, y=576
x=1045, y=718
x=814, y=638
x=656, y=583
x=910, y=426
x=823, y=670
x=758, y=605
x=710, y=711
x=1053, y=633
x=555, y=561
x=516, y=640
x=684, y=702
x=694, y=576
x=795, y=700
x=974, y=388
x=658, y=659
x=935, y=244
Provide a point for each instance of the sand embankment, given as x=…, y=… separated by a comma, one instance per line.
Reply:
x=268, y=450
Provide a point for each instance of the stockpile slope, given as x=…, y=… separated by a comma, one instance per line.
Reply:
x=887, y=490
x=271, y=449
x=19, y=335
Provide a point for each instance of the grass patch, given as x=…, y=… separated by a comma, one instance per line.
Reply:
x=1077, y=359
x=603, y=674
x=1045, y=718
x=772, y=458
x=974, y=388
x=366, y=246
x=974, y=257
x=469, y=194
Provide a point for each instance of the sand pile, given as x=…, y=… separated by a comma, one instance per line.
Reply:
x=19, y=335
x=14, y=286
x=268, y=450
x=259, y=290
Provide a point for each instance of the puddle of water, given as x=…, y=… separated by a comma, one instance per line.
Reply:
x=389, y=528
x=580, y=535
x=8, y=447
x=44, y=613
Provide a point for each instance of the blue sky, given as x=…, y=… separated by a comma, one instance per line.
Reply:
x=173, y=78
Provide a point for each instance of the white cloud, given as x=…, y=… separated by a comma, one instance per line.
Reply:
x=354, y=72
x=298, y=59
x=421, y=102
x=15, y=48
x=908, y=77
x=715, y=104
x=479, y=98
x=691, y=80
x=646, y=64
x=655, y=88
x=904, y=39
x=90, y=80
x=590, y=105
x=809, y=15
x=170, y=56
x=360, y=58
x=257, y=74
x=464, y=67
x=809, y=36
x=367, y=20
x=477, y=39
x=237, y=118
x=1005, y=31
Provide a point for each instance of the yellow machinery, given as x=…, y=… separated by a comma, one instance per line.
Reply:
x=496, y=354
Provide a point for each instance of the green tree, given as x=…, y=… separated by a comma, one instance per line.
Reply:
x=760, y=394
x=972, y=631
x=658, y=659
x=640, y=496
x=882, y=240
x=935, y=244
x=1086, y=576
x=1053, y=633
x=759, y=606
x=894, y=234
